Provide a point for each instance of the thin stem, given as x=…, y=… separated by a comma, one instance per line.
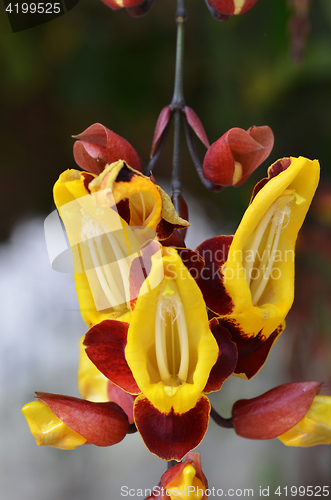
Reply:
x=196, y=160
x=221, y=421
x=178, y=104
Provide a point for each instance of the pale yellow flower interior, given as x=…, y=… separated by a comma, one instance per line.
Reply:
x=142, y=208
x=262, y=249
x=171, y=336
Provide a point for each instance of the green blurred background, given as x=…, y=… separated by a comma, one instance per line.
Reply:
x=95, y=65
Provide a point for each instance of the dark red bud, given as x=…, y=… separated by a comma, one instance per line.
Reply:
x=275, y=412
x=102, y=424
x=98, y=146
x=233, y=157
x=228, y=7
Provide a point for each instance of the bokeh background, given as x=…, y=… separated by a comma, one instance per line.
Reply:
x=95, y=65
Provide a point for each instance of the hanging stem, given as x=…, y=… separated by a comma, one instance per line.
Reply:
x=221, y=421
x=178, y=104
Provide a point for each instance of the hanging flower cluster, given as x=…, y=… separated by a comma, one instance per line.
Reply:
x=152, y=352
x=167, y=325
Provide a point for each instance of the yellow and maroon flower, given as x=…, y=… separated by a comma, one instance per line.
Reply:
x=248, y=279
x=98, y=213
x=167, y=356
x=183, y=480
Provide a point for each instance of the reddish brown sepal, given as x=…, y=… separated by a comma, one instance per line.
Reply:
x=102, y=424
x=122, y=398
x=195, y=123
x=105, y=344
x=170, y=436
x=275, y=412
x=215, y=252
x=227, y=357
x=275, y=169
x=252, y=351
x=248, y=148
x=162, y=123
x=98, y=146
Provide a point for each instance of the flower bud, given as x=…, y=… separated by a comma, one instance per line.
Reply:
x=314, y=428
x=230, y=7
x=275, y=412
x=98, y=146
x=233, y=157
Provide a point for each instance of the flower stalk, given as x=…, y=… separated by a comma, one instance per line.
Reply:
x=177, y=104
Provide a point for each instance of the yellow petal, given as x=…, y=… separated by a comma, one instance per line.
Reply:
x=92, y=384
x=48, y=429
x=314, y=428
x=86, y=227
x=284, y=202
x=144, y=197
x=194, y=350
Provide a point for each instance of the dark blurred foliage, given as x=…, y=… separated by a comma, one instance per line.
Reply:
x=97, y=65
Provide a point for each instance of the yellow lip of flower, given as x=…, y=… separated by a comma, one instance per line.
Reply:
x=48, y=429
x=186, y=485
x=170, y=348
x=259, y=271
x=314, y=428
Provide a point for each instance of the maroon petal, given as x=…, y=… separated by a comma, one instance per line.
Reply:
x=195, y=123
x=102, y=424
x=106, y=343
x=170, y=436
x=215, y=252
x=275, y=412
x=275, y=169
x=122, y=398
x=192, y=260
x=252, y=351
x=227, y=358
x=162, y=123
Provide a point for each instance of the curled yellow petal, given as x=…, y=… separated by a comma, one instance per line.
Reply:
x=259, y=271
x=314, y=428
x=48, y=429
